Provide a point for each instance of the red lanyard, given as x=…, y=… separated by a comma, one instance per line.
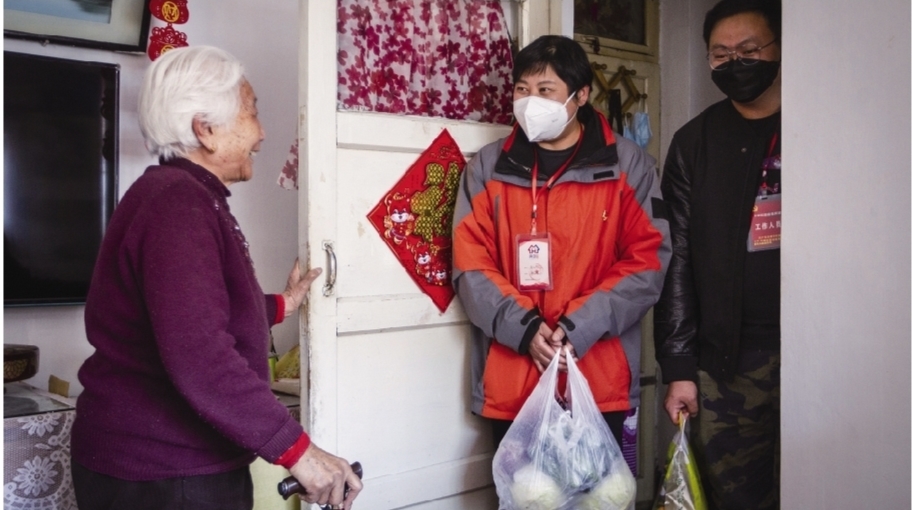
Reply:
x=769, y=154
x=772, y=144
x=553, y=178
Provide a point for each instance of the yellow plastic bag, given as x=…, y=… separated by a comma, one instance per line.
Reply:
x=681, y=489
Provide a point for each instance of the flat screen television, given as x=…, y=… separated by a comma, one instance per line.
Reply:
x=60, y=147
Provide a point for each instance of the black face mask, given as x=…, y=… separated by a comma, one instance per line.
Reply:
x=744, y=83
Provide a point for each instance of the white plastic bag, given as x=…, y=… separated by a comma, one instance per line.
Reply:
x=561, y=457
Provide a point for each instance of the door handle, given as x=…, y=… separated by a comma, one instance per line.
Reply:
x=331, y=274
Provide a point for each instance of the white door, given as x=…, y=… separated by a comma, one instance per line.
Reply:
x=385, y=374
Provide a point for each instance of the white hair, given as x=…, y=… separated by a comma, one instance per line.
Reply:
x=182, y=84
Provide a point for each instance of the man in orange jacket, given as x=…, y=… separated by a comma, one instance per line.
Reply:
x=560, y=239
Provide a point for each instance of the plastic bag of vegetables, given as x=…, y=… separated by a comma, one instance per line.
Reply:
x=681, y=489
x=560, y=454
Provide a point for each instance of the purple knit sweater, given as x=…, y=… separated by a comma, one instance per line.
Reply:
x=178, y=384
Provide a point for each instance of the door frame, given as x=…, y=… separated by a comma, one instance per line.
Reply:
x=317, y=92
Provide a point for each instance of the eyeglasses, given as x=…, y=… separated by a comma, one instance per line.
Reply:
x=747, y=54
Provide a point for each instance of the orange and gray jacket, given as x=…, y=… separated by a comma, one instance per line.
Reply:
x=610, y=250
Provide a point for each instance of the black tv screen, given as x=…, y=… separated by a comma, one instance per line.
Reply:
x=60, y=132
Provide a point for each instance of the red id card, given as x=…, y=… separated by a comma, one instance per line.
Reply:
x=766, y=224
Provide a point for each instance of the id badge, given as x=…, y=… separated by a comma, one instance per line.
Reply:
x=533, y=261
x=766, y=224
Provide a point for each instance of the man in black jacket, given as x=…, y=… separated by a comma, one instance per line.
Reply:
x=717, y=321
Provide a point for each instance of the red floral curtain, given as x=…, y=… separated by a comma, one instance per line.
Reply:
x=436, y=58
x=439, y=58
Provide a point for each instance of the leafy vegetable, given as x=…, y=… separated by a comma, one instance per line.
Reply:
x=614, y=493
x=534, y=490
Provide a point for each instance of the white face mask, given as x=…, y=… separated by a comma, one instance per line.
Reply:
x=541, y=119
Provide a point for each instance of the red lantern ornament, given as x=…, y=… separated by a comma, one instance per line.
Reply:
x=163, y=39
x=170, y=11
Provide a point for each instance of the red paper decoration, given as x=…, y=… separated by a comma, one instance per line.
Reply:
x=170, y=11
x=163, y=39
x=415, y=218
x=288, y=178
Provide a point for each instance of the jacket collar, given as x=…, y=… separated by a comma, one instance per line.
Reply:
x=598, y=147
x=207, y=178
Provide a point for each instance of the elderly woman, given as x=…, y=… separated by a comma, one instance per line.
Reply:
x=177, y=402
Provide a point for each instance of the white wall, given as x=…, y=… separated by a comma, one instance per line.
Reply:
x=845, y=256
x=265, y=39
x=686, y=86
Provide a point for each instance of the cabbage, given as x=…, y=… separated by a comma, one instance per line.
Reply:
x=615, y=492
x=534, y=490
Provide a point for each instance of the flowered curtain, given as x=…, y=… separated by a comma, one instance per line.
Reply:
x=436, y=58
x=441, y=58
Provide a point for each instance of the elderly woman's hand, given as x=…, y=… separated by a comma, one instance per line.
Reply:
x=324, y=476
x=297, y=287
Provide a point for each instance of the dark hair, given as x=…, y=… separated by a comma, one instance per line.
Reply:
x=564, y=55
x=771, y=10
